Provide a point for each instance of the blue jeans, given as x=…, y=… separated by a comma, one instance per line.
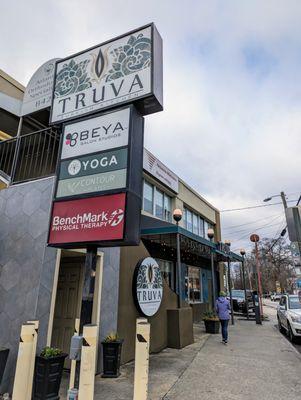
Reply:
x=224, y=324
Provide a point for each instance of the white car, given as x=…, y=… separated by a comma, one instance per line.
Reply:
x=275, y=296
x=289, y=316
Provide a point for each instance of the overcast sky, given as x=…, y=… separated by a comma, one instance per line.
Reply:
x=231, y=125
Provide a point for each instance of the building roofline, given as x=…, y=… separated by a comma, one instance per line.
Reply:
x=12, y=81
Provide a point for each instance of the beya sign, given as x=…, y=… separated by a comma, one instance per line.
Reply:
x=96, y=134
x=148, y=287
x=123, y=70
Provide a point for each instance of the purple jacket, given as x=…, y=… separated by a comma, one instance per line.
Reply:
x=222, y=307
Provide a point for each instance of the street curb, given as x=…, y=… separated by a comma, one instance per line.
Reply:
x=287, y=342
x=203, y=342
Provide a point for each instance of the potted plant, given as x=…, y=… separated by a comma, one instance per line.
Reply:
x=48, y=374
x=111, y=355
x=211, y=322
x=3, y=358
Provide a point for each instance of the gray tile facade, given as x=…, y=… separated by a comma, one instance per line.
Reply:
x=27, y=268
x=24, y=294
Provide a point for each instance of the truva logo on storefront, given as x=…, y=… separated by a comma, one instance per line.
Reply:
x=88, y=220
x=148, y=286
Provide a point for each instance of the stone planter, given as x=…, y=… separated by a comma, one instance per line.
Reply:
x=212, y=326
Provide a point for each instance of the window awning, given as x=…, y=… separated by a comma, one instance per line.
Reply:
x=159, y=231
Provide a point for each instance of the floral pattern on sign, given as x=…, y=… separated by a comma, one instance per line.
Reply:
x=134, y=56
x=149, y=276
x=72, y=78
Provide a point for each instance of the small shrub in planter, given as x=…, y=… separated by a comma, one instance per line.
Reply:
x=111, y=355
x=48, y=374
x=211, y=322
x=3, y=358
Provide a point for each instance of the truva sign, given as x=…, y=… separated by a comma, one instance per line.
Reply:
x=127, y=69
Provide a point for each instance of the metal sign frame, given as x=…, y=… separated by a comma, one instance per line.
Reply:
x=133, y=189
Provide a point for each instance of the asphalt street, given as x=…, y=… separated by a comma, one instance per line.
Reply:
x=273, y=305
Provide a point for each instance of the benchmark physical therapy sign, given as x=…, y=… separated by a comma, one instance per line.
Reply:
x=127, y=69
x=87, y=219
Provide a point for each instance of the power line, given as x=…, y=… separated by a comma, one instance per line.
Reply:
x=252, y=222
x=248, y=229
x=258, y=206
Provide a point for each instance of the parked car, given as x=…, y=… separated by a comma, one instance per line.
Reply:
x=289, y=316
x=239, y=302
x=276, y=296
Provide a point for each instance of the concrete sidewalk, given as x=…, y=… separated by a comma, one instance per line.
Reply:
x=258, y=363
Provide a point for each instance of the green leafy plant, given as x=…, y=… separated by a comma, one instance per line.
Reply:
x=210, y=316
x=112, y=337
x=49, y=352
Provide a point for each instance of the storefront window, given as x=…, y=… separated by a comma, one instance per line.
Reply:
x=188, y=220
x=195, y=223
x=167, y=208
x=202, y=227
x=167, y=269
x=148, y=192
x=156, y=202
x=159, y=204
x=194, y=285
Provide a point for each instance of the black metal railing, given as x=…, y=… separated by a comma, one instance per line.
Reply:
x=30, y=156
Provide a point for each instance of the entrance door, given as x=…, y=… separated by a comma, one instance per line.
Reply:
x=68, y=303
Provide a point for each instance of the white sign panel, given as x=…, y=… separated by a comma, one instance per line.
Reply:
x=96, y=134
x=115, y=72
x=38, y=92
x=148, y=286
x=159, y=171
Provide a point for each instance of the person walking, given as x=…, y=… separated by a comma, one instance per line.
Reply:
x=222, y=307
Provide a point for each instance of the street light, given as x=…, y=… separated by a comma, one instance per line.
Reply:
x=177, y=216
x=283, y=198
x=228, y=243
x=255, y=239
x=243, y=253
x=210, y=234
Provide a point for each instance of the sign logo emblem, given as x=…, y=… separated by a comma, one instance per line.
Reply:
x=148, y=286
x=74, y=167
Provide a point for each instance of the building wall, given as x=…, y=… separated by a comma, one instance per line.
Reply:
x=26, y=265
x=27, y=269
x=128, y=313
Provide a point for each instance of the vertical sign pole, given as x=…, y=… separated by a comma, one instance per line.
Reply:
x=33, y=357
x=88, y=364
x=73, y=362
x=21, y=383
x=87, y=297
x=141, y=359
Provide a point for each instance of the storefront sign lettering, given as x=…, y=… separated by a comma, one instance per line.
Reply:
x=88, y=220
x=94, y=164
x=92, y=183
x=96, y=134
x=148, y=287
x=118, y=71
